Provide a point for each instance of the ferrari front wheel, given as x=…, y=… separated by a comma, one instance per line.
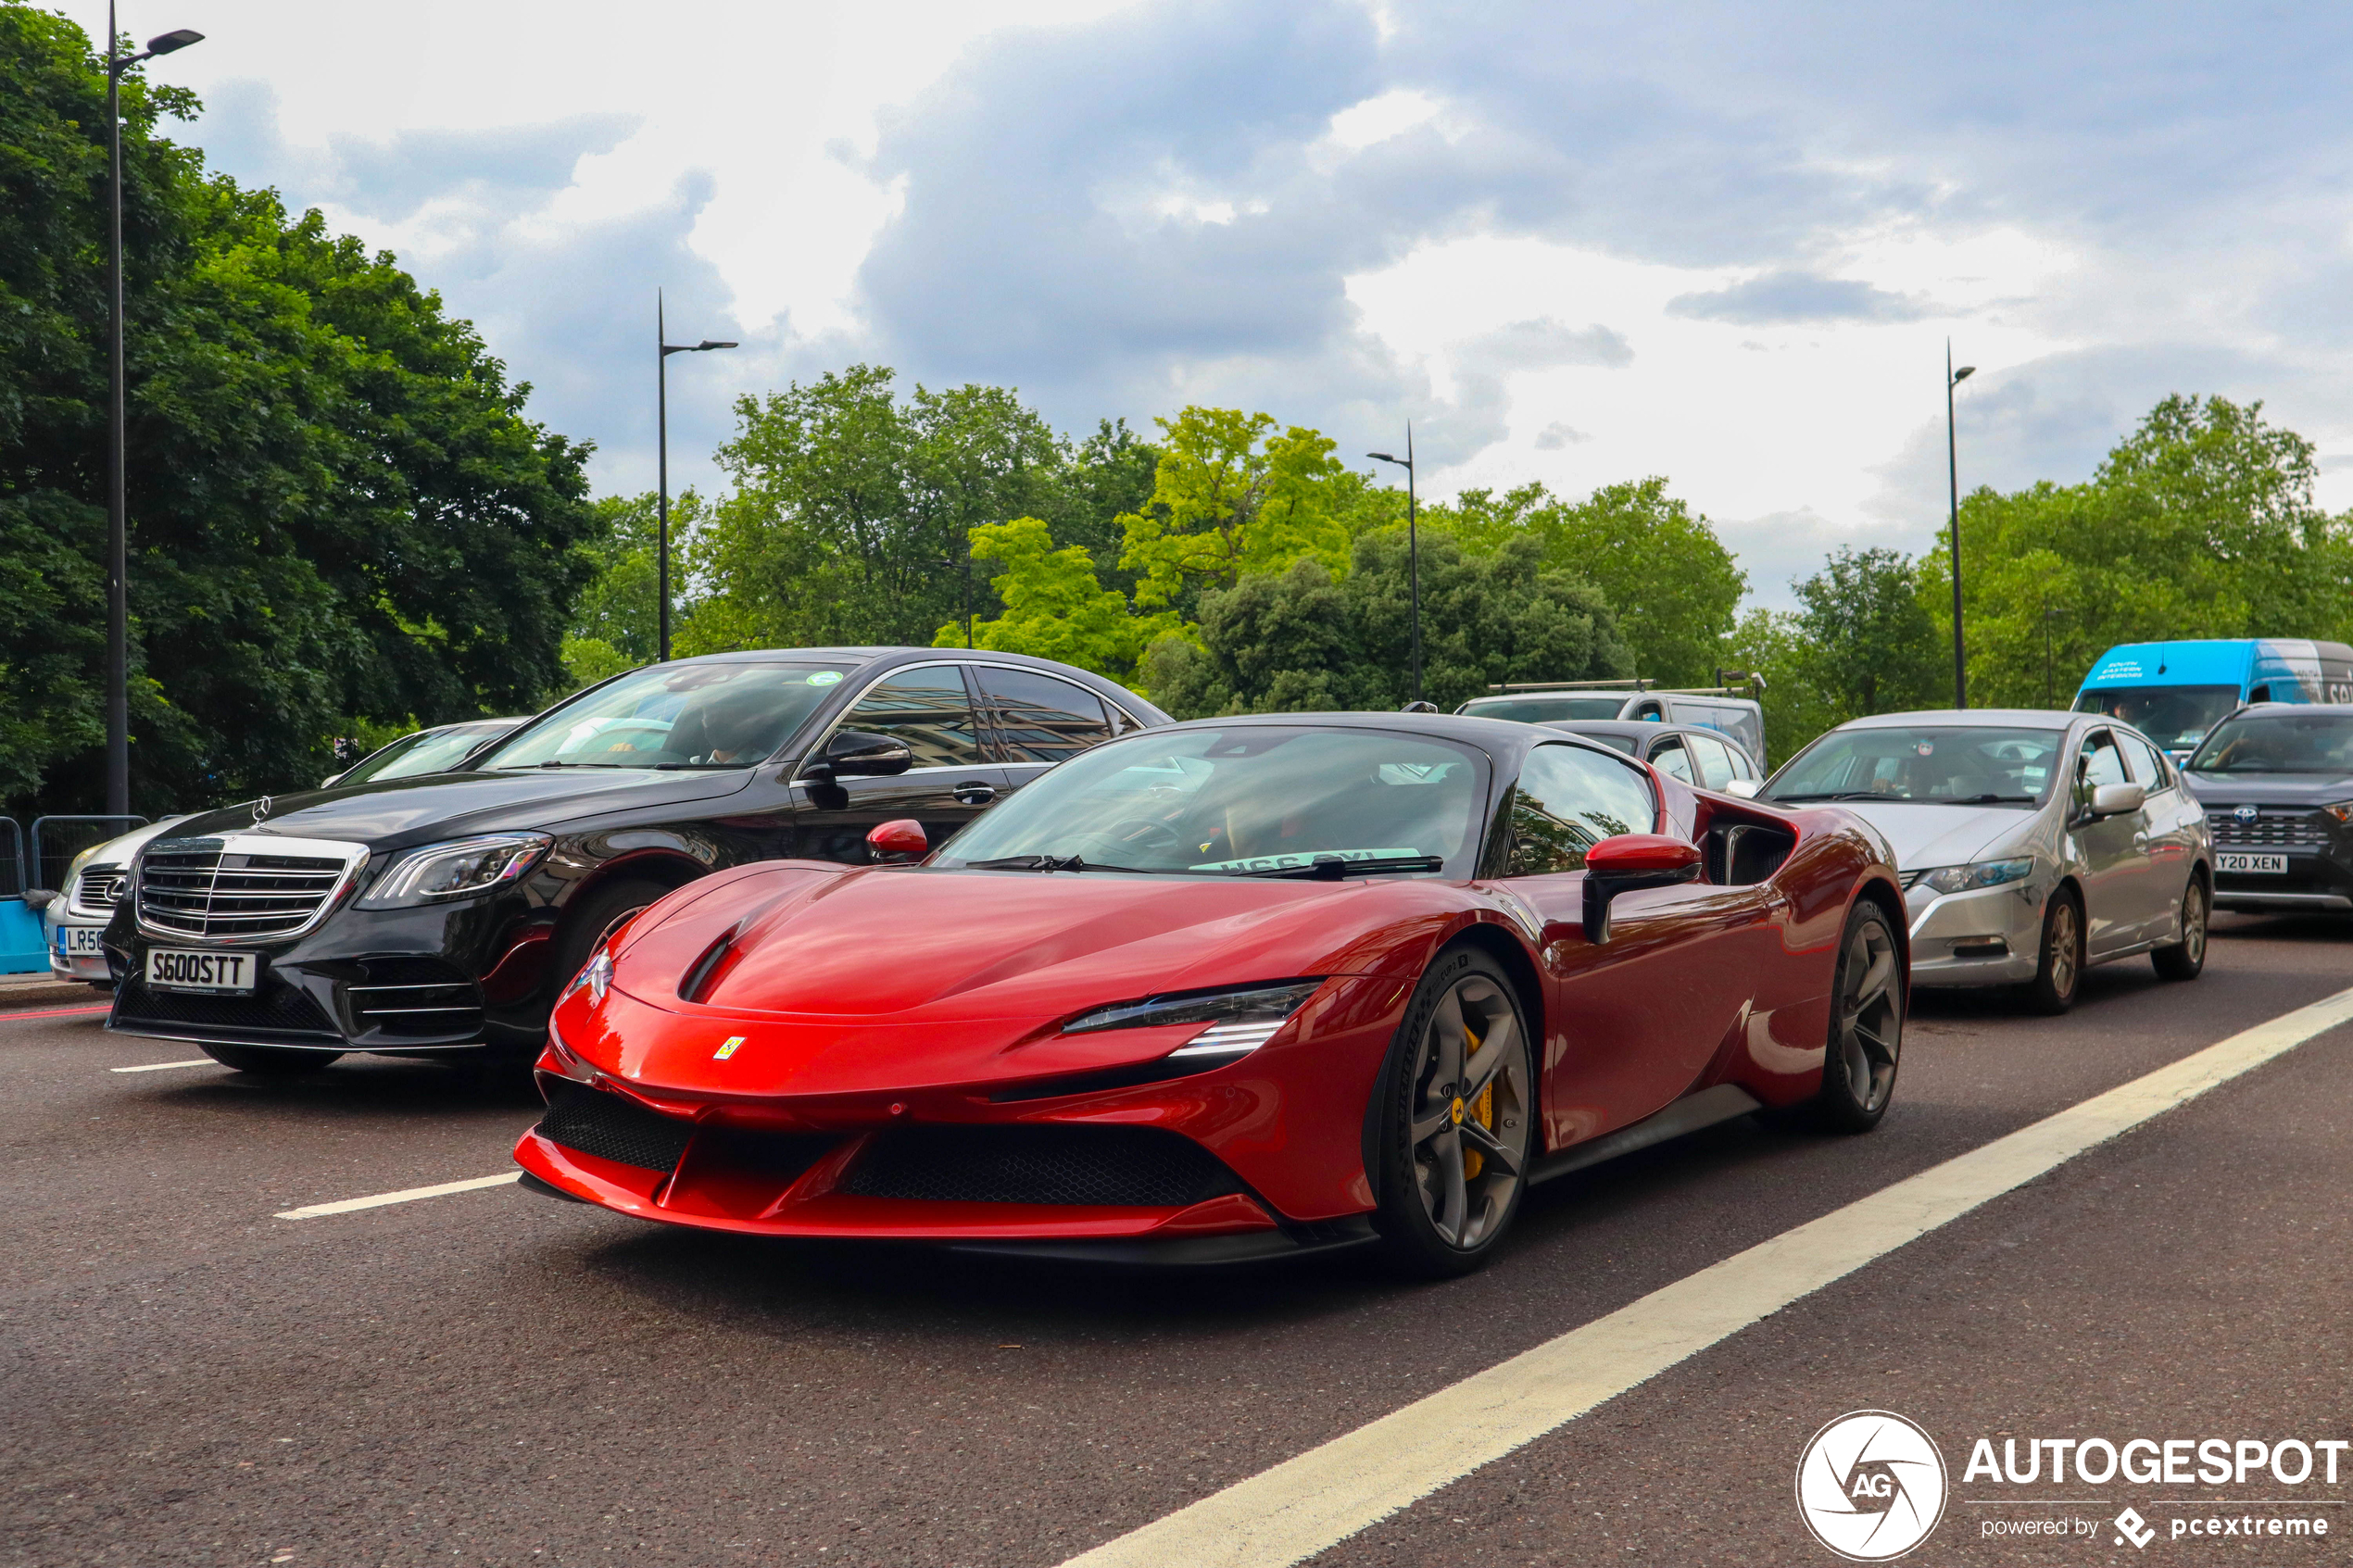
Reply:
x=1457, y=1118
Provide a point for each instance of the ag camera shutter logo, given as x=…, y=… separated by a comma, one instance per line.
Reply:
x=1870, y=1486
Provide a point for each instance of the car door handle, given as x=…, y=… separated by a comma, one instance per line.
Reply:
x=974, y=793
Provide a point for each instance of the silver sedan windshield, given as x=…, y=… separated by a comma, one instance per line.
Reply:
x=1950, y=765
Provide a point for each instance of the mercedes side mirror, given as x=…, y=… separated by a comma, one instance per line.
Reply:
x=1627, y=861
x=899, y=841
x=1746, y=789
x=855, y=752
x=2114, y=800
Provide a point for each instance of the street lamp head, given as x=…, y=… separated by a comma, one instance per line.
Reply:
x=709, y=344
x=171, y=42
x=1385, y=457
x=1963, y=374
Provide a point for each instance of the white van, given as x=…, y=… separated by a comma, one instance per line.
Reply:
x=1712, y=707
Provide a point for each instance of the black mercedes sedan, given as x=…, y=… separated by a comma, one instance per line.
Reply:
x=2276, y=783
x=440, y=915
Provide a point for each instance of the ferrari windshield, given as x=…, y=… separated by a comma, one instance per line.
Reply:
x=1242, y=800
x=1957, y=765
x=2301, y=743
x=676, y=716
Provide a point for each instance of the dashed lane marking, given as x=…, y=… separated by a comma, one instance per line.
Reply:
x=1330, y=1493
x=406, y=1195
x=159, y=1066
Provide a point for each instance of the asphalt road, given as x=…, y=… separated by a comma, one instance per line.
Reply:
x=493, y=1378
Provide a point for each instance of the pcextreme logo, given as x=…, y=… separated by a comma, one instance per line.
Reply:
x=1870, y=1486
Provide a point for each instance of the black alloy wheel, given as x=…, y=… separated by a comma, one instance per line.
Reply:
x=2059, y=964
x=2183, y=960
x=1458, y=1119
x=1867, y=1026
x=267, y=1061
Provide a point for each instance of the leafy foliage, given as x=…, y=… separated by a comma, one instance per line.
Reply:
x=1306, y=641
x=337, y=509
x=1055, y=608
x=1228, y=497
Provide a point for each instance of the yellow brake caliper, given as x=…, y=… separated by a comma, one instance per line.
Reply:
x=1483, y=1110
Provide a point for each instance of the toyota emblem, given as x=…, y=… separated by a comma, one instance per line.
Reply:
x=2244, y=813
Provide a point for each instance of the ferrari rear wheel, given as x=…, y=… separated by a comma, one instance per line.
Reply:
x=1867, y=1027
x=1457, y=1120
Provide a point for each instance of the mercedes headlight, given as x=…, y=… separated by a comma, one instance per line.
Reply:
x=456, y=869
x=1237, y=1021
x=1984, y=873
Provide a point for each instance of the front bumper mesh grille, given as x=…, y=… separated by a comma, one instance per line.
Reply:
x=1117, y=1167
x=592, y=1121
x=277, y=1011
x=2295, y=827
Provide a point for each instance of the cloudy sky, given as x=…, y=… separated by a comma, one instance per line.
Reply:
x=1574, y=242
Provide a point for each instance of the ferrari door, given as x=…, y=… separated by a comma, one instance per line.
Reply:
x=928, y=706
x=1637, y=1020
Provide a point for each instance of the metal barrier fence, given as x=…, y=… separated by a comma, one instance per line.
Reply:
x=12, y=877
x=57, y=840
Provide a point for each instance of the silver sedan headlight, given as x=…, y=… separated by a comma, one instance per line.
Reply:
x=457, y=869
x=1983, y=874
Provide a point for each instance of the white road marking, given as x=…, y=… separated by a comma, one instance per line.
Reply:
x=406, y=1195
x=1327, y=1494
x=159, y=1066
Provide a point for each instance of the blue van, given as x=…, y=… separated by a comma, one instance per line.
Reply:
x=2176, y=692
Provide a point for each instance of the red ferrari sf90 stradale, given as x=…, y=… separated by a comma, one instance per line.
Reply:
x=1229, y=990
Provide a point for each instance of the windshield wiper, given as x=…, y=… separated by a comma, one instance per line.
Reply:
x=1991, y=800
x=674, y=767
x=1840, y=794
x=1331, y=868
x=1055, y=863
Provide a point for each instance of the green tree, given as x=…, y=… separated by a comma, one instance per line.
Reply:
x=1055, y=608
x=338, y=510
x=617, y=624
x=1304, y=641
x=2200, y=523
x=852, y=510
x=1866, y=644
x=1230, y=496
x=1675, y=586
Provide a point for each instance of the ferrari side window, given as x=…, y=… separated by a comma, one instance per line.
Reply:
x=1569, y=799
x=927, y=708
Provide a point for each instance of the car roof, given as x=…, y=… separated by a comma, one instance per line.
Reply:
x=1965, y=718
x=1494, y=735
x=885, y=656
x=2289, y=709
x=1635, y=727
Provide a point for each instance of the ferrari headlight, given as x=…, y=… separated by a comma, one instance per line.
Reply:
x=456, y=869
x=1984, y=873
x=1238, y=1022
x=568, y=1060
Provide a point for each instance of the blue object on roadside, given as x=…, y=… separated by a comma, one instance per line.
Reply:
x=21, y=950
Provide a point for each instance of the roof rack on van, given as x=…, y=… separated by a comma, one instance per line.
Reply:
x=1731, y=683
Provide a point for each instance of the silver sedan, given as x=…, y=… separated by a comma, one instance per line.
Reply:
x=2033, y=845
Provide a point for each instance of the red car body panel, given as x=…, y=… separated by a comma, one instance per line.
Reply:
x=864, y=1000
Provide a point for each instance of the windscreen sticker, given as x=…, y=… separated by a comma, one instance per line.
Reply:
x=1286, y=862
x=824, y=678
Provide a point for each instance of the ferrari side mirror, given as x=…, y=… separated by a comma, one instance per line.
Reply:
x=1625, y=862
x=901, y=840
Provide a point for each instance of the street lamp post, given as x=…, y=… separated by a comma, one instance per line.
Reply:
x=1412, y=549
x=118, y=517
x=661, y=459
x=1954, y=378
